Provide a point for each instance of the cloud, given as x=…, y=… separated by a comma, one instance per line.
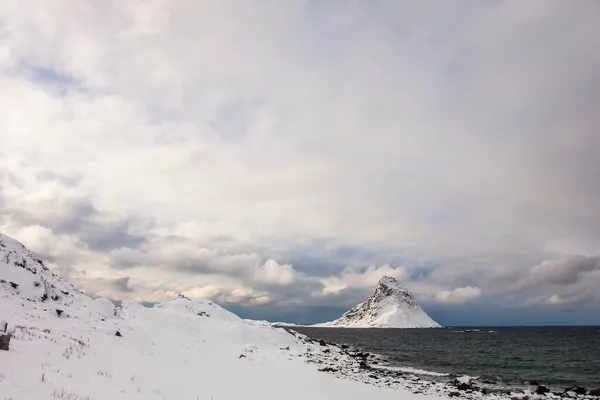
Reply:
x=274, y=273
x=367, y=278
x=458, y=295
x=204, y=292
x=192, y=145
x=568, y=270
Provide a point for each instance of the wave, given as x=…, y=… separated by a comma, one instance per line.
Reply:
x=411, y=370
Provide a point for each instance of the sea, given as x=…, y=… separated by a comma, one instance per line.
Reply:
x=505, y=357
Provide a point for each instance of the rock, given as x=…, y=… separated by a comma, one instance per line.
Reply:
x=463, y=383
x=242, y=356
x=328, y=369
x=5, y=340
x=570, y=394
x=322, y=342
x=373, y=376
x=345, y=346
x=594, y=392
x=118, y=334
x=326, y=351
x=576, y=390
x=454, y=394
x=14, y=285
x=541, y=389
x=364, y=365
x=59, y=312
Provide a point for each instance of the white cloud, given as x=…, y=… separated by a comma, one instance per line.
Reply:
x=273, y=272
x=368, y=278
x=204, y=292
x=458, y=295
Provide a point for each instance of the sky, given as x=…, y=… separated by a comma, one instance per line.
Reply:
x=280, y=157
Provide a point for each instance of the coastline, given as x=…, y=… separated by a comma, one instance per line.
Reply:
x=346, y=362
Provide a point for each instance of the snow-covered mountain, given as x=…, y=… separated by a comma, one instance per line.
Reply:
x=391, y=306
x=67, y=345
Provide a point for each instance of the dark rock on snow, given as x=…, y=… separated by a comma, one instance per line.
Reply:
x=463, y=385
x=542, y=390
x=5, y=340
x=576, y=390
x=328, y=369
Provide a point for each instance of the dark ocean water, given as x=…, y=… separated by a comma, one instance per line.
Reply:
x=505, y=356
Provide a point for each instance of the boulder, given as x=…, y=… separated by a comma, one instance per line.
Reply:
x=576, y=390
x=463, y=383
x=322, y=342
x=541, y=389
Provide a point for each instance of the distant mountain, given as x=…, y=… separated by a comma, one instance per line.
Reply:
x=391, y=306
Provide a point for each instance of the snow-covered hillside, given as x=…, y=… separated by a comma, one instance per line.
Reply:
x=69, y=346
x=391, y=306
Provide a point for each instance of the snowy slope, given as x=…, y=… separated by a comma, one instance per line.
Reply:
x=180, y=349
x=391, y=306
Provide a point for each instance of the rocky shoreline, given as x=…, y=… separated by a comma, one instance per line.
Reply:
x=348, y=363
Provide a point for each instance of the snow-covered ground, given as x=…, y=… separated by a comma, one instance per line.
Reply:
x=65, y=345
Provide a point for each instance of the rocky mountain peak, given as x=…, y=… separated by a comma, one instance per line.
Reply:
x=391, y=306
x=389, y=287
